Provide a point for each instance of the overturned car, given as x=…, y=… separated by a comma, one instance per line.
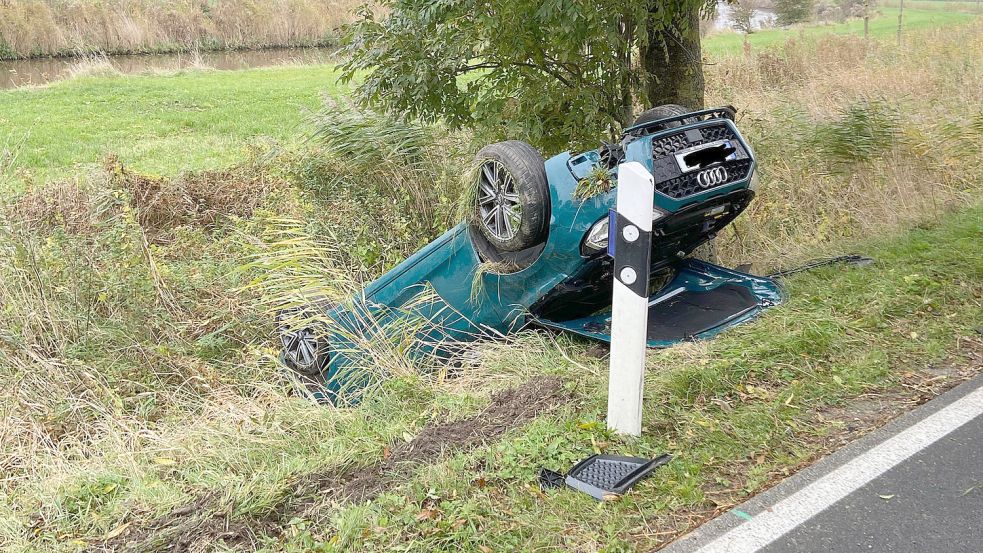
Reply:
x=535, y=252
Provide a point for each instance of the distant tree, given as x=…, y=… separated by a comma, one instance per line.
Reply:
x=794, y=11
x=548, y=71
x=742, y=15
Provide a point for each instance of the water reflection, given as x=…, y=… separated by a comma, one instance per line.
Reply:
x=40, y=71
x=760, y=18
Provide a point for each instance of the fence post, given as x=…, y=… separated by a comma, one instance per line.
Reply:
x=900, y=20
x=630, y=235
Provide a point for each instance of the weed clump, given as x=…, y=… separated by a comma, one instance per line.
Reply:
x=66, y=205
x=598, y=181
x=202, y=199
x=391, y=185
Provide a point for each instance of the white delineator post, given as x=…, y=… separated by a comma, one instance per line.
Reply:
x=631, y=237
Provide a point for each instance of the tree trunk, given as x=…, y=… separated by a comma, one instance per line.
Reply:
x=674, y=63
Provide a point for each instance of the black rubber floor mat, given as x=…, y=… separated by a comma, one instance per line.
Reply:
x=689, y=313
x=601, y=476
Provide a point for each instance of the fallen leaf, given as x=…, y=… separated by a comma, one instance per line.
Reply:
x=426, y=514
x=116, y=531
x=386, y=453
x=484, y=549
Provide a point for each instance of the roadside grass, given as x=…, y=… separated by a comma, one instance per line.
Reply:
x=883, y=26
x=737, y=413
x=140, y=364
x=134, y=438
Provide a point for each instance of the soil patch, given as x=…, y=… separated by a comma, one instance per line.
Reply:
x=508, y=409
x=204, y=523
x=194, y=528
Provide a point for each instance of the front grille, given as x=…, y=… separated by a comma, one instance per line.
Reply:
x=672, y=182
x=672, y=143
x=687, y=185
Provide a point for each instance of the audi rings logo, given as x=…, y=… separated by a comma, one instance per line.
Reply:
x=712, y=177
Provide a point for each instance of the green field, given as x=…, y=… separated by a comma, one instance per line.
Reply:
x=159, y=123
x=946, y=5
x=883, y=26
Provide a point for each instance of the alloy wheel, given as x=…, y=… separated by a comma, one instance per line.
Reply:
x=498, y=201
x=300, y=347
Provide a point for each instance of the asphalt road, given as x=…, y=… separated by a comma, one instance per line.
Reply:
x=932, y=502
x=914, y=486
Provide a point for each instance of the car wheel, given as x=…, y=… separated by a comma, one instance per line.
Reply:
x=512, y=200
x=661, y=112
x=304, y=351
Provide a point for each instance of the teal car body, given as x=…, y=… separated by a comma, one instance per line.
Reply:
x=442, y=294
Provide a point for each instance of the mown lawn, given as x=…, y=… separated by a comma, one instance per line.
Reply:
x=158, y=123
x=883, y=26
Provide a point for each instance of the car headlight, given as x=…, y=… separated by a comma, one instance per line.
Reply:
x=597, y=238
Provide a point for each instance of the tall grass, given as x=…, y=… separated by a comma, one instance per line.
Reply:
x=853, y=138
x=387, y=187
x=30, y=28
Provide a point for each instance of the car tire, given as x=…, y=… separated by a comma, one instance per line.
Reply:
x=512, y=199
x=662, y=112
x=304, y=350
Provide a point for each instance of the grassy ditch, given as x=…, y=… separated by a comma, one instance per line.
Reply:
x=145, y=408
x=738, y=413
x=142, y=393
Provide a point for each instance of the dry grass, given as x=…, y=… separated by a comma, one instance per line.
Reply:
x=201, y=199
x=66, y=205
x=49, y=27
x=92, y=65
x=854, y=139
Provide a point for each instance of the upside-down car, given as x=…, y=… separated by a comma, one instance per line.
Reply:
x=535, y=253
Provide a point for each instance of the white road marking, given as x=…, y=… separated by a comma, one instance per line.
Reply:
x=811, y=500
